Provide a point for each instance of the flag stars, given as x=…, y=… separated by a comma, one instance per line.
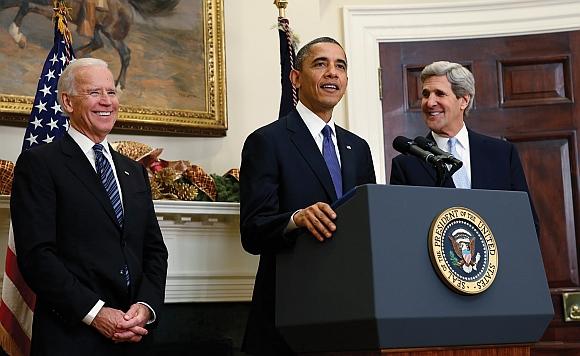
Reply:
x=50, y=75
x=53, y=124
x=54, y=59
x=45, y=91
x=41, y=106
x=32, y=139
x=65, y=125
x=48, y=139
x=56, y=108
x=63, y=59
x=37, y=122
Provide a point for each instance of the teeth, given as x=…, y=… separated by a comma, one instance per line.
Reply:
x=330, y=86
x=104, y=113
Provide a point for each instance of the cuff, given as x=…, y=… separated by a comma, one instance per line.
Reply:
x=88, y=319
x=153, y=316
x=291, y=224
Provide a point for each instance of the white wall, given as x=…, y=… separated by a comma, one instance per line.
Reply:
x=253, y=78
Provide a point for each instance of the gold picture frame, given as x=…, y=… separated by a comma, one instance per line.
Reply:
x=176, y=80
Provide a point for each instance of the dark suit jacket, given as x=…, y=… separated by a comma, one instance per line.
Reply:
x=495, y=165
x=282, y=171
x=71, y=249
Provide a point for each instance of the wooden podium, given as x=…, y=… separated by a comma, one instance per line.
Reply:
x=489, y=350
x=373, y=286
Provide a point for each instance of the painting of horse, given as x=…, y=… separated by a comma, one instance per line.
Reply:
x=155, y=48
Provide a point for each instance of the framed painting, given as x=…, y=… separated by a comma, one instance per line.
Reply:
x=168, y=58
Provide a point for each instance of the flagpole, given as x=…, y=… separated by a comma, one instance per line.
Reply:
x=289, y=94
x=281, y=5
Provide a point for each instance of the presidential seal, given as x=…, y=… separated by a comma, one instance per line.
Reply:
x=463, y=250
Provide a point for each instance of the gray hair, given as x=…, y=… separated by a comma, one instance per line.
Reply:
x=460, y=78
x=305, y=50
x=66, y=82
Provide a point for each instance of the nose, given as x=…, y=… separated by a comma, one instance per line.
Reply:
x=331, y=71
x=105, y=99
x=431, y=100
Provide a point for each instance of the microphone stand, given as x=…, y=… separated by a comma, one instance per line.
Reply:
x=442, y=171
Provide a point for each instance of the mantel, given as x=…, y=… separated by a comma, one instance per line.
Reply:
x=206, y=260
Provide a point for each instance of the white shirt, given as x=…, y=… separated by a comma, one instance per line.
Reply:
x=315, y=125
x=462, y=147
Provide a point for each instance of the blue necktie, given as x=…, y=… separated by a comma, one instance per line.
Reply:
x=105, y=172
x=460, y=177
x=331, y=160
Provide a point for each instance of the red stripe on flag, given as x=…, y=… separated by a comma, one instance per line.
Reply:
x=13, y=273
x=12, y=326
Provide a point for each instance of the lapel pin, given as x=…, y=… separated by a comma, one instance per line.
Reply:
x=348, y=147
x=127, y=173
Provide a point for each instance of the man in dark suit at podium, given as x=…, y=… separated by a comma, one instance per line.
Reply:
x=488, y=163
x=292, y=169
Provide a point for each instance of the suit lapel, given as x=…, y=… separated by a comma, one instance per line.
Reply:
x=347, y=159
x=302, y=139
x=476, y=155
x=81, y=168
x=122, y=170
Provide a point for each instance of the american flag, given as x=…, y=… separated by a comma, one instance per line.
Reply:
x=289, y=96
x=45, y=125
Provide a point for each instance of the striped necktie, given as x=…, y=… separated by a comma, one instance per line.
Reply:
x=105, y=172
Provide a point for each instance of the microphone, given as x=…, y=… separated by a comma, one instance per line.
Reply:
x=407, y=146
x=430, y=146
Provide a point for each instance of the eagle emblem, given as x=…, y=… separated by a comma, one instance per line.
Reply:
x=464, y=245
x=463, y=250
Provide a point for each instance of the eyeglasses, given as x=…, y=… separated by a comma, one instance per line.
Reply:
x=99, y=93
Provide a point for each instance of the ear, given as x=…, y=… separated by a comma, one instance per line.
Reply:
x=295, y=78
x=465, y=102
x=65, y=100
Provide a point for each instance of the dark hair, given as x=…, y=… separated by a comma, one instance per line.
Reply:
x=305, y=50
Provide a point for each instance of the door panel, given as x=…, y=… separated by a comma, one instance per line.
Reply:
x=525, y=89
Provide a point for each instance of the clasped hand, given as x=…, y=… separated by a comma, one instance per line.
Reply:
x=118, y=326
x=318, y=219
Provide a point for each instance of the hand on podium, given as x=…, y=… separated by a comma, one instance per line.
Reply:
x=317, y=218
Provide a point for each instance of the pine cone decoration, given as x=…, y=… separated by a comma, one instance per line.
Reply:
x=184, y=191
x=156, y=193
x=167, y=177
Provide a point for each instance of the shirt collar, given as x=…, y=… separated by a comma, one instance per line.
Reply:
x=85, y=143
x=462, y=138
x=314, y=123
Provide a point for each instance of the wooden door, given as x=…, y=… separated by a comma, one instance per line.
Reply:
x=525, y=93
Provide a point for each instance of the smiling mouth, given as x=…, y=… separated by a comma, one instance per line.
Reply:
x=434, y=113
x=103, y=113
x=329, y=86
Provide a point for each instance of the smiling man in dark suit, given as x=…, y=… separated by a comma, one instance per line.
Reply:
x=488, y=163
x=85, y=230
x=292, y=169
